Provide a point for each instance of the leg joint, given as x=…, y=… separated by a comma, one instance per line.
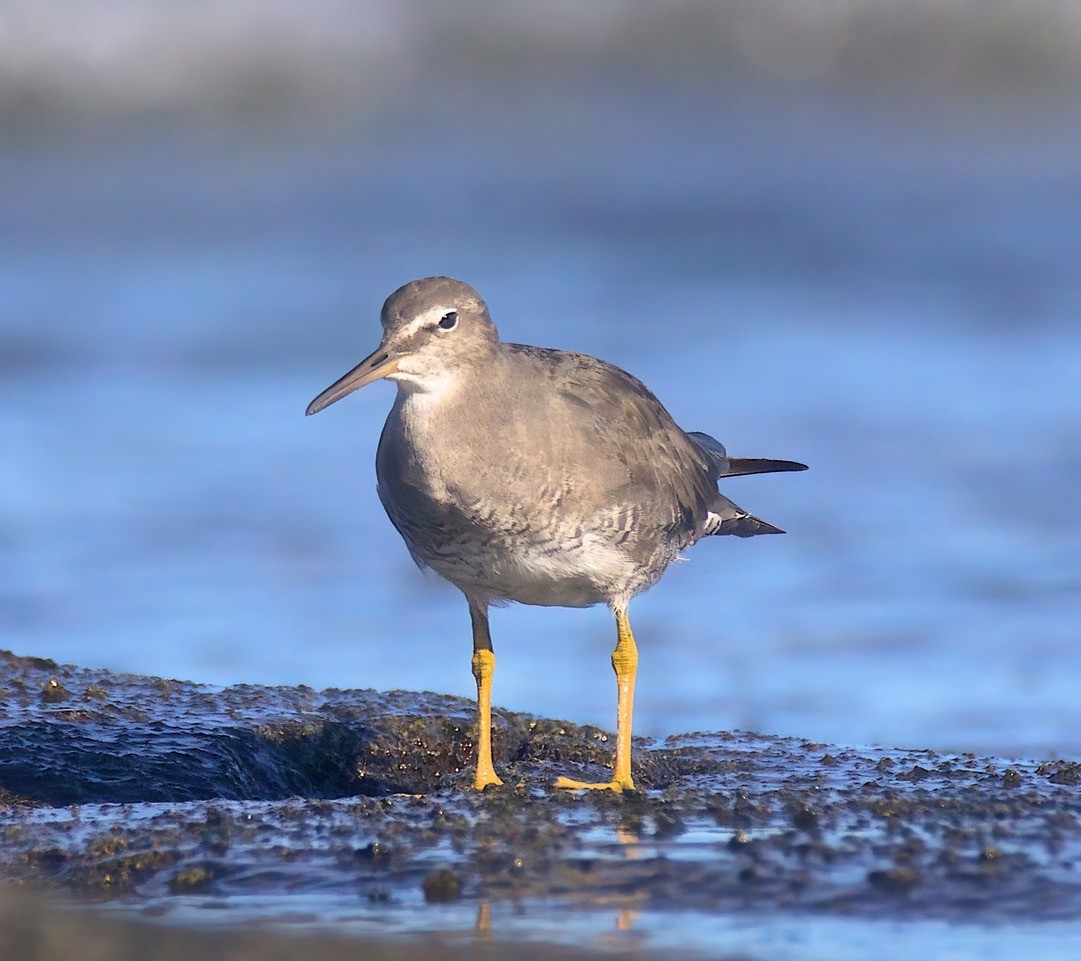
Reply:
x=483, y=664
x=624, y=661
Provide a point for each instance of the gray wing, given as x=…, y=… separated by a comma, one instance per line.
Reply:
x=670, y=475
x=640, y=457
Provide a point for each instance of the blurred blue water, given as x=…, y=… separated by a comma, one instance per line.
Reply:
x=893, y=302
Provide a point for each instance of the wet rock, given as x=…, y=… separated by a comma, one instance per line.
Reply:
x=442, y=885
x=896, y=880
x=155, y=789
x=112, y=876
x=217, y=837
x=1061, y=772
x=54, y=692
x=804, y=817
x=667, y=825
x=374, y=852
x=196, y=877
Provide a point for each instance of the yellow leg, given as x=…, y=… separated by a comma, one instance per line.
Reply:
x=483, y=669
x=625, y=664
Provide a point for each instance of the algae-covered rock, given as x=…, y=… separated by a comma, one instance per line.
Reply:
x=152, y=791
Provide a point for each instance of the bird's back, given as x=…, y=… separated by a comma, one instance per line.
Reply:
x=621, y=445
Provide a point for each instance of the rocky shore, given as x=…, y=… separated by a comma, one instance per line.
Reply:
x=350, y=811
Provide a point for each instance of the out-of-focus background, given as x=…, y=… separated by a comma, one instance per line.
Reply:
x=847, y=233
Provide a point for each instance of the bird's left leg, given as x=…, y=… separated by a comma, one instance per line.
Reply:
x=625, y=664
x=483, y=669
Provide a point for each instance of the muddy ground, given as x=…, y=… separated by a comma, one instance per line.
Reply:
x=150, y=794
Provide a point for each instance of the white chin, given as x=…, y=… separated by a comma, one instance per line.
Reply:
x=428, y=384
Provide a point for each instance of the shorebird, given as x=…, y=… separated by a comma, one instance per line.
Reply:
x=539, y=476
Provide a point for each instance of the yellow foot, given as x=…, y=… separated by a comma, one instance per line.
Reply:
x=485, y=779
x=616, y=784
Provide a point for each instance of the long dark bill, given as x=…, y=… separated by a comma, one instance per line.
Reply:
x=378, y=365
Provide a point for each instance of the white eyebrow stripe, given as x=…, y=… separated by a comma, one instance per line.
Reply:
x=427, y=319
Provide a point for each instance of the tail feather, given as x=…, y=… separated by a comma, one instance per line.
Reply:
x=759, y=465
x=724, y=517
x=733, y=466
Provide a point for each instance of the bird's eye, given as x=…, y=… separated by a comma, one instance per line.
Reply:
x=449, y=320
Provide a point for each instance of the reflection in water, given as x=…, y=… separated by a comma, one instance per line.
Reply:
x=482, y=927
x=623, y=926
x=624, y=934
x=628, y=841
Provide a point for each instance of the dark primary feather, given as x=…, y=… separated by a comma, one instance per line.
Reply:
x=728, y=518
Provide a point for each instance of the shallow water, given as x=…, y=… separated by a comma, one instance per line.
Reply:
x=883, y=289
x=693, y=935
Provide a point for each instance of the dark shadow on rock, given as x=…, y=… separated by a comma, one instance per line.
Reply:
x=77, y=736
x=61, y=763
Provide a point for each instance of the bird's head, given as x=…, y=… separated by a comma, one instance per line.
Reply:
x=433, y=329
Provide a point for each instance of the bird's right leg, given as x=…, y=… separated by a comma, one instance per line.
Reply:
x=483, y=669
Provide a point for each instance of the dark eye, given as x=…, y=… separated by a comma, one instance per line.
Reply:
x=449, y=320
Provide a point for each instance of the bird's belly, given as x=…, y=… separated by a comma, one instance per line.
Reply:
x=531, y=563
x=548, y=573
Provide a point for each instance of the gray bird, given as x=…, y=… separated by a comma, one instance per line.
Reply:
x=533, y=475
